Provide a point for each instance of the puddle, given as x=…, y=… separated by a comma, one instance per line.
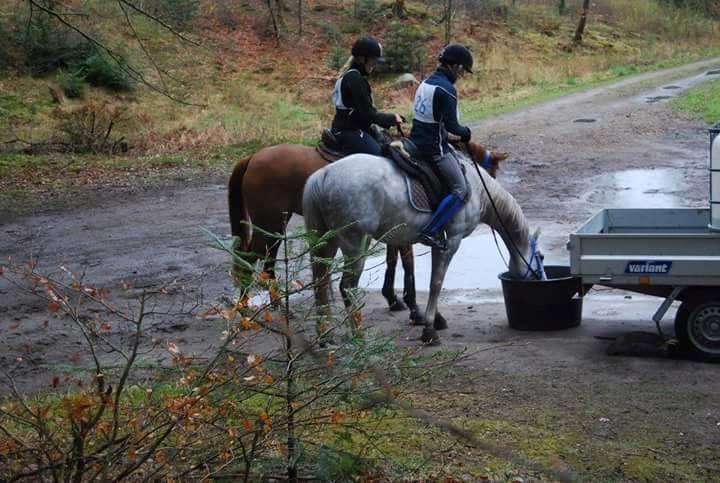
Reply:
x=638, y=188
x=585, y=119
x=654, y=99
x=713, y=72
x=476, y=265
x=672, y=87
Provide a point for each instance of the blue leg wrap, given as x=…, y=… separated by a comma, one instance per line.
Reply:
x=445, y=210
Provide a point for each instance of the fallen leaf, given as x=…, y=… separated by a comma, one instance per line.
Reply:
x=173, y=348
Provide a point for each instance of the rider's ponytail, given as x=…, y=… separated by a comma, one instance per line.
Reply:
x=345, y=66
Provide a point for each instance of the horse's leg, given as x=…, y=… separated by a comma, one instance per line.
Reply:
x=440, y=262
x=321, y=279
x=354, y=249
x=408, y=261
x=388, y=289
x=265, y=246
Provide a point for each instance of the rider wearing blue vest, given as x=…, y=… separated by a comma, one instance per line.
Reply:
x=352, y=97
x=436, y=114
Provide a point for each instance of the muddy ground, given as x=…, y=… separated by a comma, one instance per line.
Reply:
x=610, y=417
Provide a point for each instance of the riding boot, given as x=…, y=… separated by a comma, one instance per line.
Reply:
x=432, y=234
x=449, y=169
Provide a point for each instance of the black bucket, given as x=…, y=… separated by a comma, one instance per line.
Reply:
x=552, y=304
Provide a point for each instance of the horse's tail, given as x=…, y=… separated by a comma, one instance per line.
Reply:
x=239, y=217
x=312, y=203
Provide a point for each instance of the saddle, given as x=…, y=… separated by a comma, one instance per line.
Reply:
x=424, y=184
x=329, y=147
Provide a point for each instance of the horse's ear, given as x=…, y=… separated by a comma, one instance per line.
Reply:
x=498, y=156
x=536, y=234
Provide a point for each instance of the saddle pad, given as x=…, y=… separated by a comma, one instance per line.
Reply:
x=417, y=196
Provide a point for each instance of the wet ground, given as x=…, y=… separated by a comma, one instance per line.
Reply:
x=614, y=146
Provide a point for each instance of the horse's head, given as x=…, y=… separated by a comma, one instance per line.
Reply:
x=532, y=268
x=481, y=155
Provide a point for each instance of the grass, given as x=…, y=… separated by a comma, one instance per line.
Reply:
x=701, y=101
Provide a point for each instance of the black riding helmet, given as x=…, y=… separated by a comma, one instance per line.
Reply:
x=456, y=54
x=367, y=47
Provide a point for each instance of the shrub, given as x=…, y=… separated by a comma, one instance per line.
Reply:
x=178, y=13
x=708, y=7
x=365, y=11
x=91, y=127
x=101, y=71
x=338, y=57
x=404, y=49
x=48, y=46
x=331, y=32
x=72, y=83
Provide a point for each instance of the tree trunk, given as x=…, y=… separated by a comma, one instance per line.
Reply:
x=448, y=20
x=276, y=28
x=581, y=24
x=398, y=8
x=300, y=18
x=280, y=7
x=562, y=7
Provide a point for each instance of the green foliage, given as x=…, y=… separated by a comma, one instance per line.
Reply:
x=178, y=13
x=365, y=11
x=331, y=32
x=7, y=54
x=72, y=83
x=48, y=46
x=337, y=58
x=336, y=465
x=707, y=7
x=101, y=71
x=623, y=70
x=404, y=51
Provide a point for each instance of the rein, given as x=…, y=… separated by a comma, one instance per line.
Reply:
x=533, y=243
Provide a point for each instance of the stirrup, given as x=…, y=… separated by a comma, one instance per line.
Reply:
x=434, y=240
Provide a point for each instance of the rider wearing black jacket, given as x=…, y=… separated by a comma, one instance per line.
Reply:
x=354, y=108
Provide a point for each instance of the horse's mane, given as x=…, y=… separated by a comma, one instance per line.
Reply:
x=508, y=209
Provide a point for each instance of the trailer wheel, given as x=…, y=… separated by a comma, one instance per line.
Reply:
x=697, y=327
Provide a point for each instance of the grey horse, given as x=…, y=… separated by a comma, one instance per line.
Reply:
x=364, y=196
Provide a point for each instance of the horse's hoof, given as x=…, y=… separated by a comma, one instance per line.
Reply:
x=416, y=317
x=397, y=306
x=440, y=323
x=429, y=337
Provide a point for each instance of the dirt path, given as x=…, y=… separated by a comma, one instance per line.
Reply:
x=616, y=145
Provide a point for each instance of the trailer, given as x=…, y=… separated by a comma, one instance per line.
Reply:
x=669, y=253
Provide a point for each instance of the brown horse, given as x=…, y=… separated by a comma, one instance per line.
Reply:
x=267, y=188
